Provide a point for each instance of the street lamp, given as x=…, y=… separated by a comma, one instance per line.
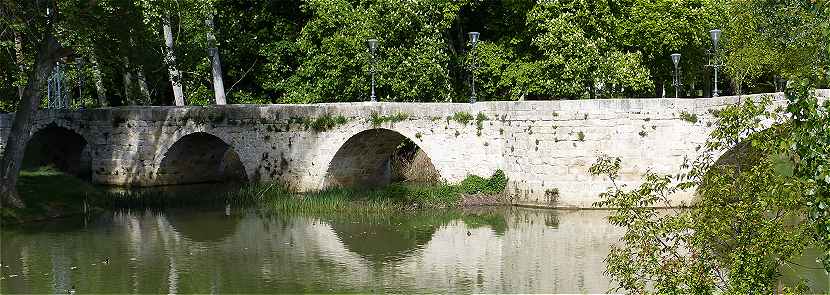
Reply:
x=473, y=42
x=373, y=45
x=675, y=58
x=713, y=61
x=715, y=34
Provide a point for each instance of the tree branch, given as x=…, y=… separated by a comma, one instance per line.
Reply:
x=243, y=77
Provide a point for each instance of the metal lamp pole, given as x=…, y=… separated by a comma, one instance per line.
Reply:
x=715, y=35
x=373, y=45
x=473, y=42
x=675, y=58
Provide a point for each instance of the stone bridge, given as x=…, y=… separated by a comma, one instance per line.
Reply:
x=544, y=147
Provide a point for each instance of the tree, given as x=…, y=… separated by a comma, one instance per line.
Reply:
x=261, y=52
x=570, y=50
x=49, y=51
x=175, y=75
x=784, y=38
x=412, y=57
x=216, y=64
x=811, y=142
x=747, y=220
x=658, y=28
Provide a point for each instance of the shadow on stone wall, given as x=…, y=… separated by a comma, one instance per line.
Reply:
x=365, y=160
x=58, y=147
x=200, y=158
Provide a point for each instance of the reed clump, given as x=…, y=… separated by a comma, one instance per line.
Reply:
x=397, y=196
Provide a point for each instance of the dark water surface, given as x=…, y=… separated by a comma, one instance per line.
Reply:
x=493, y=250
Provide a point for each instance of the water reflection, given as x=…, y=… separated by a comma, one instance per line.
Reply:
x=491, y=251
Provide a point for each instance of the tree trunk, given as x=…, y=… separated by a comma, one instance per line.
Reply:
x=99, y=82
x=18, y=48
x=737, y=83
x=175, y=76
x=218, y=84
x=658, y=88
x=128, y=86
x=47, y=55
x=707, y=83
x=142, y=86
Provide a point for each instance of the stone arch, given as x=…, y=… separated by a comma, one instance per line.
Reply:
x=59, y=147
x=364, y=159
x=744, y=153
x=200, y=157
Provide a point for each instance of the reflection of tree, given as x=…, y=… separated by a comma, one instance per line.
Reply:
x=552, y=221
x=485, y=217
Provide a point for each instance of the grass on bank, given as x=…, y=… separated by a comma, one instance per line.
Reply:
x=49, y=193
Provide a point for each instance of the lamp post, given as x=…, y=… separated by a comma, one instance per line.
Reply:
x=714, y=61
x=473, y=41
x=373, y=45
x=675, y=58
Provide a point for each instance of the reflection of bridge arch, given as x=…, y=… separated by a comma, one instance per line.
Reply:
x=200, y=158
x=203, y=225
x=59, y=147
x=383, y=241
x=363, y=160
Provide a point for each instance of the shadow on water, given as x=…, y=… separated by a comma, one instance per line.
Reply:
x=210, y=195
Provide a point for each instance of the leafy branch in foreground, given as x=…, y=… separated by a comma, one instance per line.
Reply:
x=746, y=223
x=811, y=142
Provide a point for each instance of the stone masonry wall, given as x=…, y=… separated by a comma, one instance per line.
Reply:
x=544, y=147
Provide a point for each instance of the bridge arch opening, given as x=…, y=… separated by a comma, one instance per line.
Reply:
x=200, y=158
x=60, y=148
x=377, y=157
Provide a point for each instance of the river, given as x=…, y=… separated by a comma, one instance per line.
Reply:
x=487, y=250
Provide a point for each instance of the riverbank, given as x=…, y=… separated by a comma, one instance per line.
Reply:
x=50, y=194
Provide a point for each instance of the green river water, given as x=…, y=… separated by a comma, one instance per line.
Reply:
x=487, y=250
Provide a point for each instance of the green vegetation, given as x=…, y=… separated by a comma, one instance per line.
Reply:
x=580, y=136
x=49, y=193
x=461, y=117
x=688, y=117
x=392, y=197
x=480, y=118
x=757, y=207
x=552, y=196
x=810, y=142
x=323, y=123
x=410, y=220
x=377, y=120
x=285, y=51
